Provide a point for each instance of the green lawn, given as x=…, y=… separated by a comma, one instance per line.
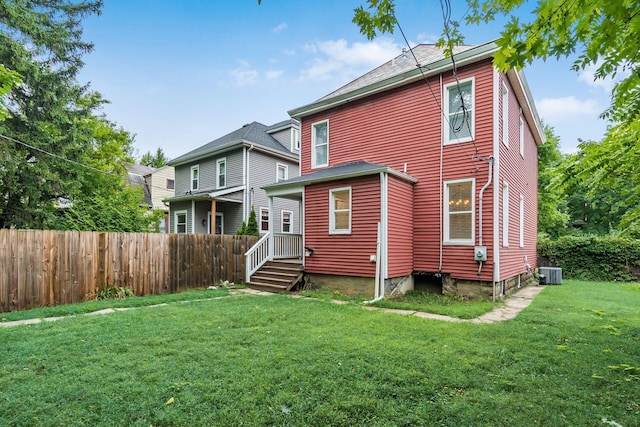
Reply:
x=570, y=359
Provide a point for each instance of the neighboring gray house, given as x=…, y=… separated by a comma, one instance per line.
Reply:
x=157, y=185
x=217, y=184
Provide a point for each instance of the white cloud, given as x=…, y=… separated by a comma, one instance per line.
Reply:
x=244, y=75
x=337, y=60
x=279, y=28
x=274, y=74
x=554, y=110
x=289, y=52
x=588, y=76
x=427, y=38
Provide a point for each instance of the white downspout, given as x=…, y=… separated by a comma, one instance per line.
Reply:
x=247, y=188
x=480, y=196
x=441, y=195
x=377, y=295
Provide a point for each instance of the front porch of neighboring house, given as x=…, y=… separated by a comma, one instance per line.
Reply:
x=276, y=263
x=219, y=212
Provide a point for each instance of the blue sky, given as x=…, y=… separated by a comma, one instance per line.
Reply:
x=179, y=74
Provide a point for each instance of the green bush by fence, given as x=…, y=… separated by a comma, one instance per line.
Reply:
x=592, y=258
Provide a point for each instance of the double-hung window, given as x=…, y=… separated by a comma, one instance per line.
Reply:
x=264, y=220
x=505, y=214
x=282, y=172
x=285, y=218
x=340, y=211
x=195, y=177
x=180, y=218
x=221, y=173
x=320, y=144
x=521, y=221
x=505, y=115
x=521, y=137
x=459, y=212
x=459, y=112
x=295, y=132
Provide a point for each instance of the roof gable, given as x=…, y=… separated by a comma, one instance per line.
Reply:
x=253, y=133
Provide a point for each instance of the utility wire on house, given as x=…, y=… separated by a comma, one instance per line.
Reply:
x=436, y=99
x=34, y=148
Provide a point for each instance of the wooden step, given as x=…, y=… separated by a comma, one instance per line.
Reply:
x=267, y=287
x=277, y=275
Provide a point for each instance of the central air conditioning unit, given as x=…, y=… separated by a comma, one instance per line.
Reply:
x=553, y=275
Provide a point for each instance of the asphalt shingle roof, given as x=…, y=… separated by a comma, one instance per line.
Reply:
x=345, y=170
x=254, y=133
x=425, y=54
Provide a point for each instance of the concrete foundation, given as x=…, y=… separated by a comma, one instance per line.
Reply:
x=468, y=289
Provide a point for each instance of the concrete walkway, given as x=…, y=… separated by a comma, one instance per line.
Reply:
x=509, y=309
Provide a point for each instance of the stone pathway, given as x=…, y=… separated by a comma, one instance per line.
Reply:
x=510, y=308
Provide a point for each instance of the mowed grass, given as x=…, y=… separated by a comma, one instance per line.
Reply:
x=96, y=305
x=571, y=358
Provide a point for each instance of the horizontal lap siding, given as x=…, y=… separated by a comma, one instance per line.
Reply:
x=522, y=176
x=404, y=127
x=343, y=254
x=400, y=228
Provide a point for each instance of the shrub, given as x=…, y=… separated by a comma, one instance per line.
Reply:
x=115, y=292
x=606, y=258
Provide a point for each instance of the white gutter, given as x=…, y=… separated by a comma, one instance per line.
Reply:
x=442, y=124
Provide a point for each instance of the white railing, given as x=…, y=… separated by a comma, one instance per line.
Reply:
x=267, y=248
x=287, y=246
x=257, y=256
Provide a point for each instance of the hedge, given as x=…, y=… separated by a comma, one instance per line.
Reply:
x=592, y=258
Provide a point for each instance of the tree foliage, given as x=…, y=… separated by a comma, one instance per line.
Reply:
x=603, y=32
x=604, y=177
x=252, y=224
x=105, y=201
x=41, y=41
x=551, y=218
x=60, y=163
x=157, y=160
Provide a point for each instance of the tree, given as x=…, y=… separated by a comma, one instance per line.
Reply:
x=607, y=174
x=105, y=201
x=604, y=32
x=41, y=41
x=8, y=81
x=551, y=218
x=252, y=224
x=155, y=161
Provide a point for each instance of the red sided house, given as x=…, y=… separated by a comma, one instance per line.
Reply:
x=415, y=175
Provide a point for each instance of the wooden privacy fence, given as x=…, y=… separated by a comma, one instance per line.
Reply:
x=43, y=268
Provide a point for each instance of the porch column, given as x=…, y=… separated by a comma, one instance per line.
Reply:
x=271, y=228
x=212, y=225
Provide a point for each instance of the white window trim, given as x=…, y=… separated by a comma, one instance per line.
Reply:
x=314, y=163
x=175, y=221
x=521, y=137
x=332, y=225
x=295, y=142
x=447, y=240
x=221, y=215
x=286, y=171
x=521, y=221
x=218, y=163
x=505, y=214
x=191, y=187
x=505, y=115
x=447, y=125
x=282, y=212
x=260, y=220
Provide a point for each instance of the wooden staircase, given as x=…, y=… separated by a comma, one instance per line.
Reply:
x=278, y=275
